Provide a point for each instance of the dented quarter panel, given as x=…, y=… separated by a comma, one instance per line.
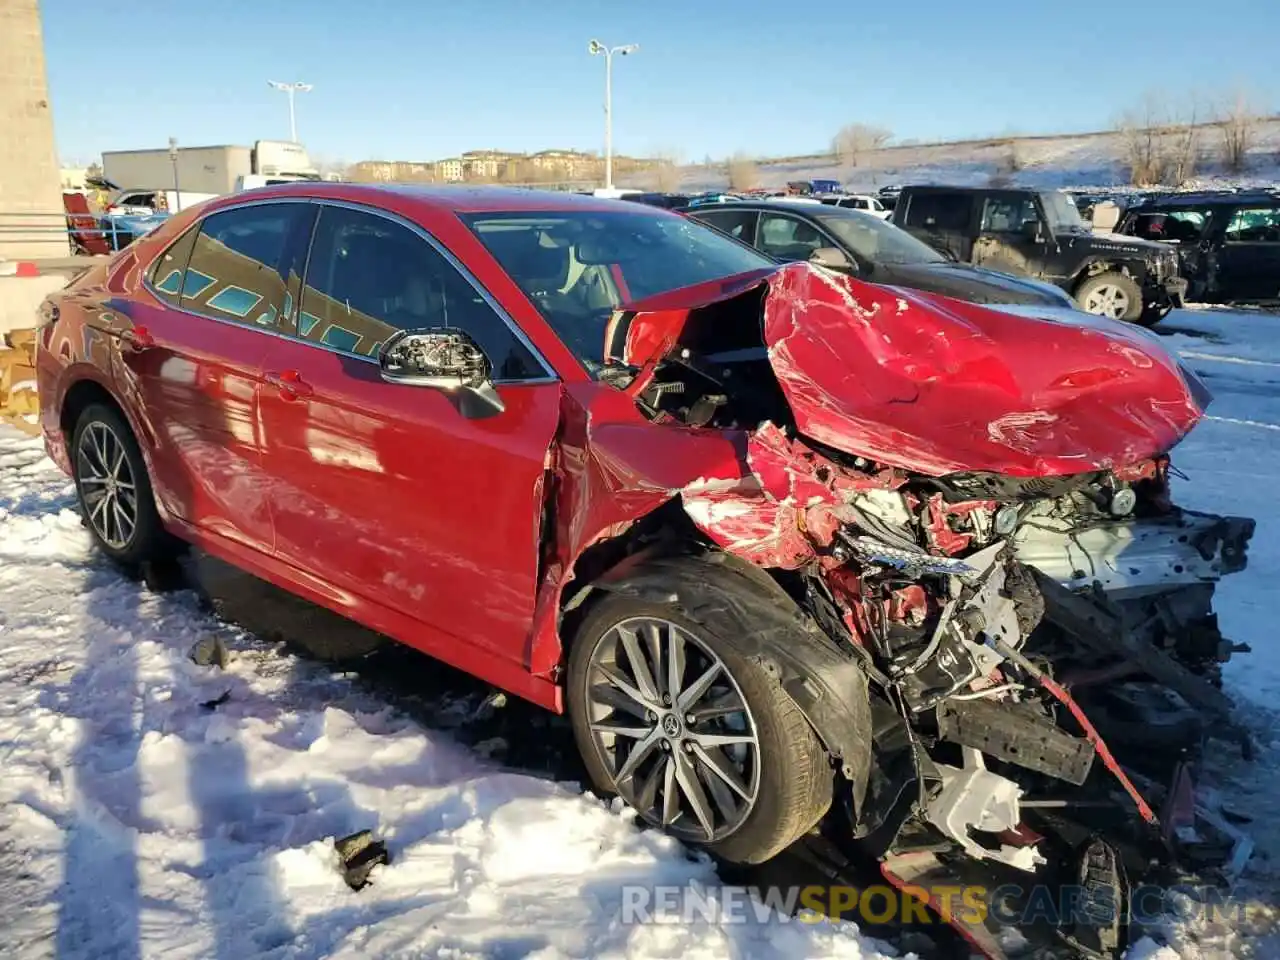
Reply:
x=610, y=467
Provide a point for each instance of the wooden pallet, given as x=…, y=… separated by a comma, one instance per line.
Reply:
x=18, y=399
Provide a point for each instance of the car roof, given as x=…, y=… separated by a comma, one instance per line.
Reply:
x=443, y=199
x=790, y=204
x=941, y=188
x=1206, y=198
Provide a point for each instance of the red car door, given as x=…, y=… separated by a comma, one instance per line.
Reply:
x=391, y=499
x=192, y=363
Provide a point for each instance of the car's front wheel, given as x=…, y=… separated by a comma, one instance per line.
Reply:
x=114, y=490
x=701, y=740
x=1111, y=295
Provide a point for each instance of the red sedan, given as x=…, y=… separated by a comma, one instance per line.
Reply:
x=772, y=536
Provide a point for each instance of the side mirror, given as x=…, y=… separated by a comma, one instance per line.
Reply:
x=833, y=258
x=1033, y=231
x=441, y=357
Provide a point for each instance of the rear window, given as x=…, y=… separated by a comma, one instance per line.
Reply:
x=167, y=271
x=1182, y=226
x=939, y=211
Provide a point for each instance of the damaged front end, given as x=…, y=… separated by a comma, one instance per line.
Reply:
x=975, y=506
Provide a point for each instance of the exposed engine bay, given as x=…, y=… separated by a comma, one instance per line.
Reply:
x=1032, y=611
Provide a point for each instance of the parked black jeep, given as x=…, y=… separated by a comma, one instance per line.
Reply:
x=1228, y=242
x=1041, y=234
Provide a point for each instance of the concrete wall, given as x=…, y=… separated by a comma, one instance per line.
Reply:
x=20, y=298
x=29, y=172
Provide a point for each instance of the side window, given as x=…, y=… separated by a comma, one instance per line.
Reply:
x=737, y=223
x=168, y=269
x=788, y=238
x=939, y=211
x=235, y=268
x=1007, y=214
x=368, y=277
x=1254, y=225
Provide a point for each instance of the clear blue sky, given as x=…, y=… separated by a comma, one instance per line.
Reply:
x=425, y=79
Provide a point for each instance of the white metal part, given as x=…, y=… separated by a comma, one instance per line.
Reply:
x=974, y=798
x=999, y=613
x=1128, y=557
x=888, y=505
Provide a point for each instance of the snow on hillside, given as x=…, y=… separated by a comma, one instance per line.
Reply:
x=1048, y=163
x=150, y=807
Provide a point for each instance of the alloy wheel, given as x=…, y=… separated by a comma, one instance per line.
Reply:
x=673, y=729
x=1107, y=300
x=107, y=485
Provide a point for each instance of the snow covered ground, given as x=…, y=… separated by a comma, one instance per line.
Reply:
x=150, y=807
x=1067, y=161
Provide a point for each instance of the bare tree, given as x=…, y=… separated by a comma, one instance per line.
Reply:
x=1182, y=144
x=743, y=174
x=1160, y=142
x=668, y=171
x=1140, y=136
x=1239, y=123
x=855, y=140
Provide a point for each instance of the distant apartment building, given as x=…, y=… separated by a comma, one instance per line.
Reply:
x=569, y=164
x=488, y=164
x=394, y=171
x=451, y=170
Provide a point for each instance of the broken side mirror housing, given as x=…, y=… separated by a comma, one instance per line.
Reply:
x=444, y=358
x=833, y=258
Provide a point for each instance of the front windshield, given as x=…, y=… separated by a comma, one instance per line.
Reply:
x=1064, y=215
x=878, y=242
x=578, y=266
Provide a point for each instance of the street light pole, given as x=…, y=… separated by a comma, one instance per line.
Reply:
x=290, y=89
x=595, y=47
x=173, y=159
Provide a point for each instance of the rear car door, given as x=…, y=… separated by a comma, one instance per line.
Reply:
x=1249, y=259
x=389, y=496
x=737, y=223
x=790, y=238
x=1003, y=242
x=194, y=360
x=941, y=219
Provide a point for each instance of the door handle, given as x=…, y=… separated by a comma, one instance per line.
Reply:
x=289, y=383
x=137, y=339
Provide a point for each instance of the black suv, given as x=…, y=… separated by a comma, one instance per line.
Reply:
x=1041, y=234
x=870, y=248
x=1228, y=243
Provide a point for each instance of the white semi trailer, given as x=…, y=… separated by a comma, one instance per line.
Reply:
x=208, y=170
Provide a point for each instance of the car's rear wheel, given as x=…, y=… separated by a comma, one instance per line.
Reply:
x=114, y=490
x=1111, y=295
x=699, y=739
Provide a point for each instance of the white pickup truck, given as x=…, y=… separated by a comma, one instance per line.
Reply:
x=859, y=201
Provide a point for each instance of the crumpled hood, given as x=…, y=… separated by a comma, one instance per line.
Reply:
x=966, y=282
x=937, y=386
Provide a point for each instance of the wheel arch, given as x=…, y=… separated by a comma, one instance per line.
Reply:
x=79, y=397
x=827, y=685
x=1097, y=265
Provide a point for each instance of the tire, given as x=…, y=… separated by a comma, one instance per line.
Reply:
x=104, y=428
x=790, y=769
x=1116, y=289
